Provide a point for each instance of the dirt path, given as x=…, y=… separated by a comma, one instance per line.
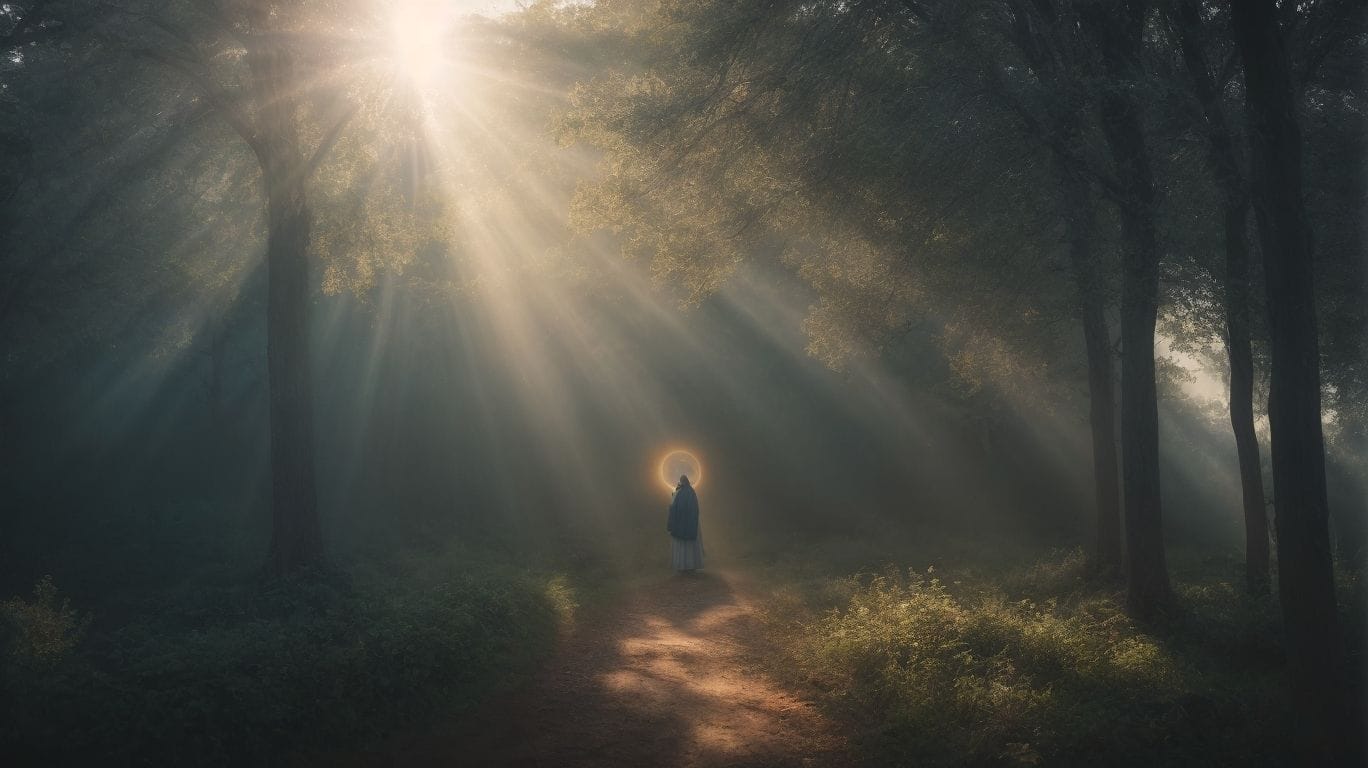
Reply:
x=669, y=677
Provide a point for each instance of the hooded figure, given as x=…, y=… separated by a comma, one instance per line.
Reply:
x=686, y=541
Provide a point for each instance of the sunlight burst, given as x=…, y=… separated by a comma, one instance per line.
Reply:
x=418, y=33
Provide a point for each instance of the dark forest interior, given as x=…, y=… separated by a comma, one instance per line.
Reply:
x=1017, y=349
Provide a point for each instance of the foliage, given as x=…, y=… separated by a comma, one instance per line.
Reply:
x=839, y=140
x=244, y=673
x=1039, y=666
x=42, y=631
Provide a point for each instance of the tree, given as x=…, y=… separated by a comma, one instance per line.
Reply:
x=1078, y=213
x=1326, y=42
x=284, y=78
x=1047, y=38
x=1305, y=578
x=1207, y=85
x=922, y=106
x=1120, y=39
x=266, y=118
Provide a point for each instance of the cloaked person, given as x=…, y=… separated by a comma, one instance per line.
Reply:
x=686, y=541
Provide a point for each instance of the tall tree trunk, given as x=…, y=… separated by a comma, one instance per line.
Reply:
x=1147, y=584
x=1187, y=21
x=296, y=538
x=1305, y=579
x=1046, y=39
x=1078, y=222
x=1241, y=355
x=1102, y=420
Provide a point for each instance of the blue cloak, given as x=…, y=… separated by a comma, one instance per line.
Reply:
x=683, y=522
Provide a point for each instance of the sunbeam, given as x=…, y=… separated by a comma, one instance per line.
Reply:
x=420, y=35
x=698, y=382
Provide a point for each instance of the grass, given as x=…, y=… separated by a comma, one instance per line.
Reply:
x=249, y=672
x=1037, y=665
x=1011, y=661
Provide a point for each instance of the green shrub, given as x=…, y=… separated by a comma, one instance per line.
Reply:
x=42, y=631
x=244, y=674
x=1034, y=668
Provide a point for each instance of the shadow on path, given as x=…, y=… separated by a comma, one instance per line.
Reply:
x=670, y=677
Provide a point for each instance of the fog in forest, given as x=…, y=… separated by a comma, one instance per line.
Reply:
x=852, y=257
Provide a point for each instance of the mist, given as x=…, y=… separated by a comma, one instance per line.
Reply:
x=345, y=344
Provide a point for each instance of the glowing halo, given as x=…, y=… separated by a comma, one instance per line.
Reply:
x=680, y=462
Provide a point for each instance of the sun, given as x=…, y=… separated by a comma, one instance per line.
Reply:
x=419, y=32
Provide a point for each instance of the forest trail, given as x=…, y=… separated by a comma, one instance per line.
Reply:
x=667, y=676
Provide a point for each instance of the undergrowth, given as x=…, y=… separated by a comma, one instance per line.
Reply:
x=1038, y=666
x=248, y=673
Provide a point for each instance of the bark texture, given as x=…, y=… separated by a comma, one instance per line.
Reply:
x=296, y=534
x=1049, y=42
x=1225, y=164
x=1305, y=578
x=1078, y=220
x=1119, y=37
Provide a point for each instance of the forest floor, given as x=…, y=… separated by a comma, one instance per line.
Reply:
x=668, y=674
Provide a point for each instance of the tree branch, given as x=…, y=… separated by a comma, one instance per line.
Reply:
x=1335, y=27
x=1077, y=165
x=329, y=140
x=214, y=93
